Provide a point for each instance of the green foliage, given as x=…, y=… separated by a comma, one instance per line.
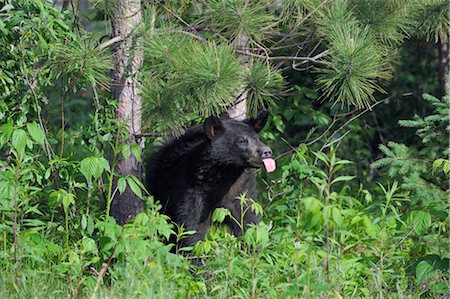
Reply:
x=356, y=62
x=187, y=76
x=263, y=83
x=233, y=18
x=388, y=20
x=80, y=62
x=414, y=167
x=432, y=19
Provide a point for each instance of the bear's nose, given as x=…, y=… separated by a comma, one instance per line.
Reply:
x=266, y=152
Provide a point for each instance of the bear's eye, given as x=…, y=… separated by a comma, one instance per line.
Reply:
x=242, y=140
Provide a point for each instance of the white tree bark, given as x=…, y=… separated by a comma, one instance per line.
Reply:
x=128, y=56
x=239, y=110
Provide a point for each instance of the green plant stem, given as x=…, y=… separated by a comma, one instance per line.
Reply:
x=252, y=295
x=4, y=233
x=111, y=177
x=66, y=216
x=62, y=126
x=16, y=194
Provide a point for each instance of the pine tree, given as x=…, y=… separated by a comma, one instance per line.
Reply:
x=423, y=171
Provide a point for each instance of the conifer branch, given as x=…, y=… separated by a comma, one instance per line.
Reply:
x=314, y=59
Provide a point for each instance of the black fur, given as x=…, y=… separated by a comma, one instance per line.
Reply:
x=206, y=168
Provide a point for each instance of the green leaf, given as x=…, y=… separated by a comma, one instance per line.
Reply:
x=126, y=151
x=446, y=167
x=88, y=246
x=257, y=208
x=322, y=157
x=312, y=204
x=7, y=7
x=439, y=288
x=437, y=163
x=420, y=220
x=122, y=184
x=19, y=140
x=138, y=182
x=134, y=187
x=36, y=133
x=7, y=130
x=219, y=215
x=344, y=178
x=423, y=270
x=136, y=150
x=93, y=167
x=337, y=216
x=67, y=200
x=343, y=162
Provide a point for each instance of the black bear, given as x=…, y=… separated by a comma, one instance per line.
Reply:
x=207, y=168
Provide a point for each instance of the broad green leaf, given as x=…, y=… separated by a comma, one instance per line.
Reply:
x=126, y=151
x=6, y=133
x=19, y=140
x=219, y=215
x=88, y=246
x=83, y=221
x=337, y=216
x=311, y=204
x=93, y=167
x=439, y=288
x=446, y=167
x=36, y=133
x=138, y=182
x=419, y=220
x=257, y=208
x=104, y=163
x=67, y=200
x=134, y=187
x=122, y=184
x=136, y=150
x=423, y=270
x=438, y=163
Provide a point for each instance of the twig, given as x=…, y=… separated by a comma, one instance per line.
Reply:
x=149, y=134
x=289, y=58
x=335, y=120
x=110, y=42
x=182, y=32
x=182, y=21
x=47, y=147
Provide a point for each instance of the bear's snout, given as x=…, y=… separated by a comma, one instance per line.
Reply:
x=265, y=152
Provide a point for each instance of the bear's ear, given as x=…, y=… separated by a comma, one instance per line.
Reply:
x=260, y=121
x=224, y=115
x=213, y=127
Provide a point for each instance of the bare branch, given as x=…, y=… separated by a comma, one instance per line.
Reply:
x=110, y=42
x=182, y=21
x=314, y=59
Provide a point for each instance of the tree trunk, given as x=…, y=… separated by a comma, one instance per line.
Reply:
x=128, y=60
x=443, y=66
x=239, y=110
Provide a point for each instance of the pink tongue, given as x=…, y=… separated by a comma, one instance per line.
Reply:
x=269, y=164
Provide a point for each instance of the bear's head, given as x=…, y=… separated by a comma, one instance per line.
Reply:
x=237, y=143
